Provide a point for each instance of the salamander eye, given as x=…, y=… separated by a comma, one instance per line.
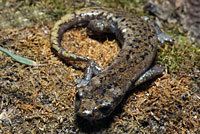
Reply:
x=105, y=109
x=78, y=102
x=77, y=96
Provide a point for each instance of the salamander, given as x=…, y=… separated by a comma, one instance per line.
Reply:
x=101, y=90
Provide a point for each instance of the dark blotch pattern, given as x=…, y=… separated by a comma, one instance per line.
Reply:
x=122, y=69
x=127, y=57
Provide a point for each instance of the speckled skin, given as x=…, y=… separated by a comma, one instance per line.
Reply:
x=105, y=91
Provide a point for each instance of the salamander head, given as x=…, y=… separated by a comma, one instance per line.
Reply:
x=93, y=107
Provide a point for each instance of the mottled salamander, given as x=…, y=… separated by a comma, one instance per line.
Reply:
x=98, y=96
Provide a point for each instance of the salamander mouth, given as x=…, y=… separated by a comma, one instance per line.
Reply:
x=86, y=114
x=90, y=115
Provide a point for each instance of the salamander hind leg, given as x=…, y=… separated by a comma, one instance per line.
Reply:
x=162, y=37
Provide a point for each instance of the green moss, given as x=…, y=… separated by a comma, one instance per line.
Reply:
x=32, y=12
x=182, y=56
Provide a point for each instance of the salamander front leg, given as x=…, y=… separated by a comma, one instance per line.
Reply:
x=92, y=70
x=95, y=27
x=92, y=67
x=149, y=74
